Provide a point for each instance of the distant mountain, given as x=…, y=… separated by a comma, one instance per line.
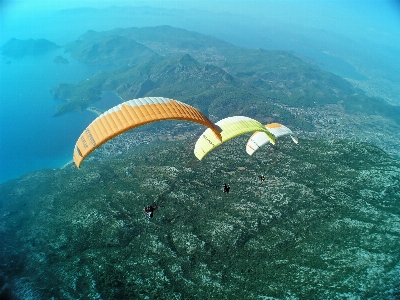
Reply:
x=224, y=80
x=110, y=50
x=275, y=75
x=205, y=86
x=18, y=48
x=171, y=39
x=165, y=40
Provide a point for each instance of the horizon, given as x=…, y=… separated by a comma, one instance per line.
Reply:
x=376, y=21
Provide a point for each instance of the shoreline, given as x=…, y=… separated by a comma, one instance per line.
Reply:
x=109, y=98
x=94, y=110
x=67, y=164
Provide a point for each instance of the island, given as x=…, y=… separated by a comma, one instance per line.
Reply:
x=16, y=48
x=60, y=59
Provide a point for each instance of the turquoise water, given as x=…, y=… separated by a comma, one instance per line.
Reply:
x=108, y=100
x=30, y=137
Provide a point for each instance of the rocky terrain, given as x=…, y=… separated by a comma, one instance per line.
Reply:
x=324, y=224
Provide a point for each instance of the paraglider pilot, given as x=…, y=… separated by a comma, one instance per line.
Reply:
x=226, y=188
x=149, y=209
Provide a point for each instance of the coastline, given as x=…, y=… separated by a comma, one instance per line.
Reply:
x=94, y=110
x=108, y=100
x=67, y=164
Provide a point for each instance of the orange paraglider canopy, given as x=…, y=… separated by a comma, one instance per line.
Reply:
x=131, y=114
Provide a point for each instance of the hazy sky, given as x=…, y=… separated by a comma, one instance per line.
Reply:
x=374, y=19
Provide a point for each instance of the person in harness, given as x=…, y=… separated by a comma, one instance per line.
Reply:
x=226, y=188
x=149, y=210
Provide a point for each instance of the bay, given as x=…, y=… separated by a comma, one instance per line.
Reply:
x=30, y=137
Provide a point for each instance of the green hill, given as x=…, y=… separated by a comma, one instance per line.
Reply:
x=207, y=64
x=110, y=51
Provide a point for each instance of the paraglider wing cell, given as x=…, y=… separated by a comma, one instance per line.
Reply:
x=134, y=113
x=259, y=139
x=279, y=130
x=231, y=127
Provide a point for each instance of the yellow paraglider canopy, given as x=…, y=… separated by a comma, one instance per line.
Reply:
x=134, y=113
x=231, y=127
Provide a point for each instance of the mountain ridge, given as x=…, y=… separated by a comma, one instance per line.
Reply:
x=276, y=74
x=223, y=80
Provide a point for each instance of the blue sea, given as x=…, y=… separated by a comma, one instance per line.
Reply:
x=30, y=137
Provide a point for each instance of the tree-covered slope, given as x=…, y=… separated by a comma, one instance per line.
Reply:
x=324, y=224
x=207, y=87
